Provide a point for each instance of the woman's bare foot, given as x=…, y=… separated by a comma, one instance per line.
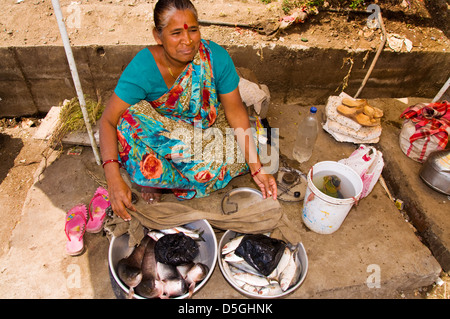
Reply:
x=151, y=195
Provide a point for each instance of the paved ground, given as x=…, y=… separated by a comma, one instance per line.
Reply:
x=340, y=264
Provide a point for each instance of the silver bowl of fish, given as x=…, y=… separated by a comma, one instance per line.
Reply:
x=170, y=263
x=259, y=266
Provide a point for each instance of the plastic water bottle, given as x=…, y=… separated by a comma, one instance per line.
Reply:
x=306, y=137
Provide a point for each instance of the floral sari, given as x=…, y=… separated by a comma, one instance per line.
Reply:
x=181, y=141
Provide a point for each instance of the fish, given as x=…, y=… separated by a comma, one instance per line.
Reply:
x=196, y=274
x=129, y=268
x=245, y=267
x=235, y=270
x=240, y=283
x=230, y=270
x=149, y=264
x=227, y=268
x=286, y=273
x=194, y=234
x=240, y=263
x=271, y=290
x=136, y=256
x=232, y=245
x=232, y=257
x=150, y=287
x=166, y=271
x=251, y=279
x=152, y=279
x=184, y=269
x=155, y=235
x=174, y=284
x=175, y=287
x=291, y=273
x=284, y=260
x=250, y=288
x=130, y=276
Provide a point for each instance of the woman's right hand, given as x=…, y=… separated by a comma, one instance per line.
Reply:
x=120, y=198
x=118, y=190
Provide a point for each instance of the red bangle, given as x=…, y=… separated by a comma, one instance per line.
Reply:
x=257, y=171
x=111, y=161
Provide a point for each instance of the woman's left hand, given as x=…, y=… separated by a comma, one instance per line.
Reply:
x=267, y=184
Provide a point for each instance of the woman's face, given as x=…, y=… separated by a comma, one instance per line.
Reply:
x=181, y=37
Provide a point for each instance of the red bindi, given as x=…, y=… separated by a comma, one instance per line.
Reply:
x=186, y=26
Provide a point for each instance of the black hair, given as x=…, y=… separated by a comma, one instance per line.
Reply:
x=163, y=8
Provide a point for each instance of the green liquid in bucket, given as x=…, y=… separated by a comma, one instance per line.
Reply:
x=346, y=187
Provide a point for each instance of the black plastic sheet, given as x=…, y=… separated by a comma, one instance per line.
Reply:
x=176, y=249
x=261, y=252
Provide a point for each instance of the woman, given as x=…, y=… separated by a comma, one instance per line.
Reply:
x=182, y=84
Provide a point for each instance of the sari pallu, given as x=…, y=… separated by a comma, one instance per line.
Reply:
x=159, y=142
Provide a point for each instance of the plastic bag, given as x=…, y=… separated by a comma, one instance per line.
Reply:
x=368, y=163
x=262, y=252
x=176, y=249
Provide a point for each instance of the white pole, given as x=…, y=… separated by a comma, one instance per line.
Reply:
x=75, y=77
x=442, y=91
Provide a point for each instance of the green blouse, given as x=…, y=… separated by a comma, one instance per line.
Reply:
x=142, y=80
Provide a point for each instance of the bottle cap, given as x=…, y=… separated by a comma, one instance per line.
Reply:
x=313, y=109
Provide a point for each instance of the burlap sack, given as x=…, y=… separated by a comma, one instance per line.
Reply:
x=262, y=217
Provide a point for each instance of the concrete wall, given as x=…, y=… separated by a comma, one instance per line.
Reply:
x=310, y=76
x=33, y=79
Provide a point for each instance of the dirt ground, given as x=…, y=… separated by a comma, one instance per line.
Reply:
x=21, y=165
x=21, y=155
x=121, y=22
x=425, y=23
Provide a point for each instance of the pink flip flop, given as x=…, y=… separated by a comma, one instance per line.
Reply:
x=74, y=229
x=97, y=210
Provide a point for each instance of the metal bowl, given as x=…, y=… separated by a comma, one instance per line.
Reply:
x=119, y=249
x=435, y=172
x=229, y=235
x=240, y=198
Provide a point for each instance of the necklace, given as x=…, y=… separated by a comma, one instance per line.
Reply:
x=168, y=67
x=170, y=71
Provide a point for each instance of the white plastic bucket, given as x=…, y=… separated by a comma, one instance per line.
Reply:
x=322, y=213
